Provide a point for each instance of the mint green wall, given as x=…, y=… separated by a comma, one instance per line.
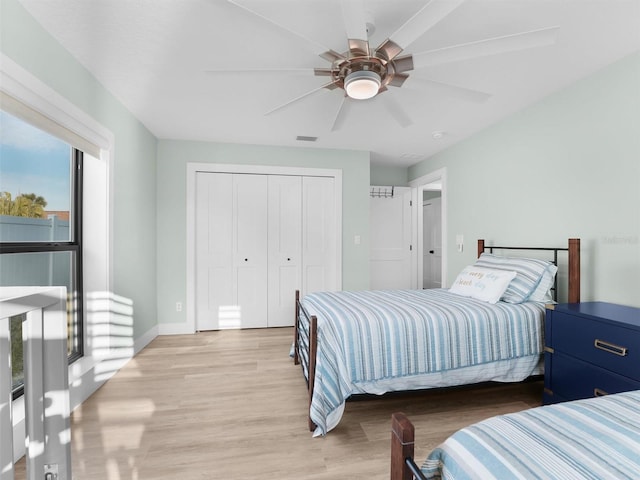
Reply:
x=568, y=166
x=173, y=157
x=133, y=197
x=395, y=176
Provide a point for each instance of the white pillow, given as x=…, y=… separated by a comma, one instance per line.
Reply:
x=529, y=273
x=481, y=283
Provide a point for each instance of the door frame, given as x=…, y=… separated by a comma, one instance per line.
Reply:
x=193, y=168
x=418, y=185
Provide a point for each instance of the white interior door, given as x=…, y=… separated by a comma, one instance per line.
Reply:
x=250, y=251
x=285, y=247
x=319, y=235
x=214, y=246
x=390, y=256
x=231, y=271
x=235, y=212
x=432, y=247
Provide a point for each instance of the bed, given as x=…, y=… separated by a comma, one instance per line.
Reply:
x=366, y=342
x=594, y=438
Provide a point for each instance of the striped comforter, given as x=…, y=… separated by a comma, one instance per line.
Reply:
x=596, y=438
x=380, y=341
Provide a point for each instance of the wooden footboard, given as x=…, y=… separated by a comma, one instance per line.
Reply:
x=403, y=466
x=305, y=348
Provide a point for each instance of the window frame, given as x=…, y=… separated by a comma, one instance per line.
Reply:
x=74, y=245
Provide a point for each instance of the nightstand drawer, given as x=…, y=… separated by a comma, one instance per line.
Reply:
x=573, y=379
x=603, y=344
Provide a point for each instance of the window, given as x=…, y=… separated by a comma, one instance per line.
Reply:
x=40, y=223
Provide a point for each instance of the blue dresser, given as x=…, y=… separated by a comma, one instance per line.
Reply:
x=591, y=349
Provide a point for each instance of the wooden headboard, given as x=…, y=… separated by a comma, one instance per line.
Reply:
x=573, y=250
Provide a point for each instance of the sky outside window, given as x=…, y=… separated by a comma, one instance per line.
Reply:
x=32, y=161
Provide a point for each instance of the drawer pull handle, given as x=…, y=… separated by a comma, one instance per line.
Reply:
x=599, y=393
x=610, y=347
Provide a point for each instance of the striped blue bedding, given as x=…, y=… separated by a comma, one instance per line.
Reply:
x=596, y=438
x=381, y=341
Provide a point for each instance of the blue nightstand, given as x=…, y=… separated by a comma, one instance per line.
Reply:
x=591, y=349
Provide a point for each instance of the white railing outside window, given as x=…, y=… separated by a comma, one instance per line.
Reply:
x=46, y=387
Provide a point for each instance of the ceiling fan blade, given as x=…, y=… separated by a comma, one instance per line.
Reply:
x=316, y=47
x=330, y=86
x=322, y=72
x=398, y=79
x=429, y=15
x=276, y=70
x=341, y=114
x=358, y=48
x=454, y=91
x=332, y=56
x=354, y=19
x=396, y=110
x=403, y=64
x=491, y=46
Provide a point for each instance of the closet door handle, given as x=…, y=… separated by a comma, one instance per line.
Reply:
x=246, y=259
x=288, y=259
x=432, y=251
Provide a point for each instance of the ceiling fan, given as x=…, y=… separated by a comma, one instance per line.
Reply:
x=363, y=72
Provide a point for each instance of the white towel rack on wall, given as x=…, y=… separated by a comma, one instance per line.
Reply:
x=381, y=192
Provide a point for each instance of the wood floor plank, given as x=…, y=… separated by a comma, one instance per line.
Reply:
x=231, y=405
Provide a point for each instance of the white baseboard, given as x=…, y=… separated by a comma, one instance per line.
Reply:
x=174, y=329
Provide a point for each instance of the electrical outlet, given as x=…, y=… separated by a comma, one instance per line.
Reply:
x=178, y=306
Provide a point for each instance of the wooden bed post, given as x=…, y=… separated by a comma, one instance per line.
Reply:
x=480, y=247
x=313, y=351
x=402, y=443
x=574, y=270
x=296, y=358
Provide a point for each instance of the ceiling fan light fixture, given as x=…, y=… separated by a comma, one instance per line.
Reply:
x=362, y=84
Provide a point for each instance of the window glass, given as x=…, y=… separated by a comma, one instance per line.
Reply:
x=17, y=358
x=35, y=184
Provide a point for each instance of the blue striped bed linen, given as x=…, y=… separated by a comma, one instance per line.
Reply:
x=598, y=438
x=381, y=341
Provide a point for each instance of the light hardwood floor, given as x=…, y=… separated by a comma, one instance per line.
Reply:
x=231, y=405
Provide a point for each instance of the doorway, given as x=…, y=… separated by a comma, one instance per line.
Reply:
x=432, y=238
x=431, y=230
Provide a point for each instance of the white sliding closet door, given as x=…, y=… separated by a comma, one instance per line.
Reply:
x=214, y=266
x=250, y=249
x=231, y=270
x=258, y=239
x=285, y=247
x=319, y=238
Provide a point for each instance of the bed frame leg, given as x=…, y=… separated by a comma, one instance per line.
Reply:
x=296, y=357
x=402, y=446
x=313, y=351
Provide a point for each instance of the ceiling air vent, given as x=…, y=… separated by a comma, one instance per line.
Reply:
x=303, y=138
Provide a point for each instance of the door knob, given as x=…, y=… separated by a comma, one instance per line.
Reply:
x=432, y=251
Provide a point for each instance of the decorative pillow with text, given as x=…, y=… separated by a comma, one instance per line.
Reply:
x=484, y=284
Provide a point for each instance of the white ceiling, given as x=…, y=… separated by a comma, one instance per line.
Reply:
x=157, y=57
